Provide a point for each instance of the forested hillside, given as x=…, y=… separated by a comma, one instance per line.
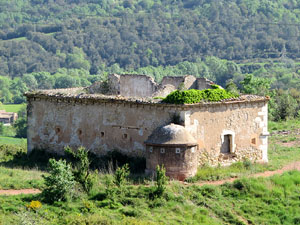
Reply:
x=249, y=46
x=44, y=35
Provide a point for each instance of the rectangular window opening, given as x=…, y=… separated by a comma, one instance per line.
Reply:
x=150, y=149
x=226, y=147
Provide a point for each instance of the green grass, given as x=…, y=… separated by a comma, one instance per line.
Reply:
x=20, y=178
x=273, y=200
x=284, y=125
x=11, y=107
x=12, y=140
x=207, y=173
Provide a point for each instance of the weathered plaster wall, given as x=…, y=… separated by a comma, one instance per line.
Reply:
x=203, y=83
x=178, y=165
x=245, y=122
x=137, y=86
x=141, y=86
x=101, y=127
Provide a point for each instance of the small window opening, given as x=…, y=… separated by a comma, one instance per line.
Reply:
x=177, y=150
x=253, y=141
x=227, y=144
x=150, y=149
x=79, y=132
x=125, y=136
x=57, y=130
x=102, y=134
x=162, y=150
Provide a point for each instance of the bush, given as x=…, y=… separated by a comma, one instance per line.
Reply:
x=80, y=170
x=21, y=124
x=11, y=152
x=1, y=128
x=60, y=183
x=121, y=175
x=161, y=181
x=196, y=96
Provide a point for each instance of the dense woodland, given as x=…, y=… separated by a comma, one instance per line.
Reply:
x=44, y=35
x=250, y=46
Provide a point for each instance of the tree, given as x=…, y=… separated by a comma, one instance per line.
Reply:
x=59, y=185
x=30, y=81
x=21, y=123
x=255, y=85
x=1, y=128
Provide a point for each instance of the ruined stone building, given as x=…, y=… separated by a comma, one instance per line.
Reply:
x=8, y=118
x=123, y=114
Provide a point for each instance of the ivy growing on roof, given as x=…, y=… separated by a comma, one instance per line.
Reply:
x=196, y=96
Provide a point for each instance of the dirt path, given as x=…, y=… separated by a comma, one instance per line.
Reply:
x=291, y=166
x=21, y=191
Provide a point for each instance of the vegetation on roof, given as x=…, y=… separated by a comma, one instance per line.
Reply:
x=196, y=96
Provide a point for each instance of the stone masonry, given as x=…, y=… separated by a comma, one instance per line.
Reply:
x=121, y=114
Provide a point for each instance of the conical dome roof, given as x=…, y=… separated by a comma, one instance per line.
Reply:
x=171, y=134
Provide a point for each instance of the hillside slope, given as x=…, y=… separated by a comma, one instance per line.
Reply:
x=43, y=35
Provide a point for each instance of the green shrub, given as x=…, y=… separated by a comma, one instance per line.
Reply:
x=80, y=169
x=21, y=123
x=1, y=128
x=121, y=175
x=10, y=152
x=60, y=183
x=196, y=96
x=161, y=181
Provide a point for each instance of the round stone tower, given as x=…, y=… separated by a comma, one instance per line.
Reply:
x=175, y=148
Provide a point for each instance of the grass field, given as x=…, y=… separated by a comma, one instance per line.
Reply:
x=20, y=178
x=12, y=140
x=273, y=200
x=266, y=201
x=12, y=107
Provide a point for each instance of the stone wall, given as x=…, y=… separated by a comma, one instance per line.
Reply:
x=178, y=166
x=245, y=123
x=102, y=125
x=141, y=86
x=203, y=83
x=137, y=86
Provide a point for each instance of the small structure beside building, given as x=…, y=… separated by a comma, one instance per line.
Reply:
x=175, y=148
x=8, y=118
x=123, y=114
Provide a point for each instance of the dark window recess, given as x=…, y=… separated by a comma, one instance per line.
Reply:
x=226, y=145
x=253, y=141
x=79, y=132
x=125, y=136
x=102, y=134
x=57, y=130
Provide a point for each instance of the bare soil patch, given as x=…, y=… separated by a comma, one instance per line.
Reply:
x=21, y=191
x=289, y=144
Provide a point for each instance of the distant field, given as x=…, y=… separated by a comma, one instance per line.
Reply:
x=12, y=140
x=11, y=108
